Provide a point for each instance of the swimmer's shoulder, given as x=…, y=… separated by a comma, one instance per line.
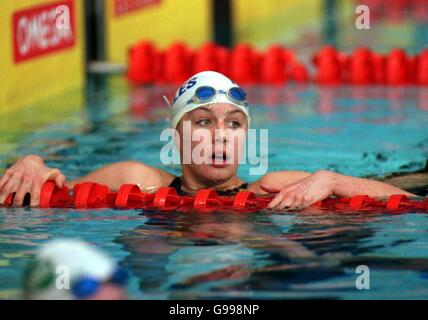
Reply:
x=127, y=172
x=277, y=179
x=144, y=175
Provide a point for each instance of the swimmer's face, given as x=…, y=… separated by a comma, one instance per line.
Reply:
x=218, y=136
x=109, y=292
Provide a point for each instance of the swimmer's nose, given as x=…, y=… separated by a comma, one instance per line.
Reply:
x=220, y=135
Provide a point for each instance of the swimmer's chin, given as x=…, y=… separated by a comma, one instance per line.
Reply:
x=211, y=172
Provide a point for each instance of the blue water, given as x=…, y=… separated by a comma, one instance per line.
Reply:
x=356, y=131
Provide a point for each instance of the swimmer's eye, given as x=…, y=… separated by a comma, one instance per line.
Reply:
x=234, y=124
x=203, y=122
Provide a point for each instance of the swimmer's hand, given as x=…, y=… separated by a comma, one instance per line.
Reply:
x=302, y=193
x=27, y=176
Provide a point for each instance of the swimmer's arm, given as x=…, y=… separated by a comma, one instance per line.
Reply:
x=347, y=186
x=301, y=189
x=277, y=180
x=339, y=184
x=126, y=172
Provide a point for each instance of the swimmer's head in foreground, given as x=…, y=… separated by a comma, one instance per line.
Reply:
x=210, y=113
x=67, y=269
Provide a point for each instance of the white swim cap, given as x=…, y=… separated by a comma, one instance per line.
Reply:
x=61, y=261
x=183, y=100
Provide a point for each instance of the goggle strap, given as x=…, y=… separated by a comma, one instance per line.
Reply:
x=165, y=98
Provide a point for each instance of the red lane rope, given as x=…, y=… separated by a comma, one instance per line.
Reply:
x=127, y=196
x=166, y=199
x=90, y=195
x=275, y=65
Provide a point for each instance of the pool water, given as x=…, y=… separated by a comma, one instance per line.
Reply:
x=360, y=131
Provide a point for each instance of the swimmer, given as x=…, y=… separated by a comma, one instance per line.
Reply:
x=67, y=269
x=209, y=102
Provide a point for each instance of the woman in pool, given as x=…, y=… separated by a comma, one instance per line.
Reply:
x=208, y=103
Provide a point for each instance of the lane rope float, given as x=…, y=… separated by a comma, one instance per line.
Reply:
x=91, y=195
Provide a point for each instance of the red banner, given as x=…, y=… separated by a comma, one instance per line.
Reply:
x=43, y=29
x=122, y=7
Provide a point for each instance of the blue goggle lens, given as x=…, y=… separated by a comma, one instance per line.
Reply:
x=87, y=286
x=120, y=276
x=205, y=93
x=238, y=94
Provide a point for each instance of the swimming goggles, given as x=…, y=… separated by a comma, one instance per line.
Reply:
x=87, y=286
x=206, y=94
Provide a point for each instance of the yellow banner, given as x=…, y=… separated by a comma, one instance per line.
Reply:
x=275, y=21
x=161, y=21
x=42, y=50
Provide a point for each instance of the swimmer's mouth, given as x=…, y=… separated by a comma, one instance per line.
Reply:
x=220, y=160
